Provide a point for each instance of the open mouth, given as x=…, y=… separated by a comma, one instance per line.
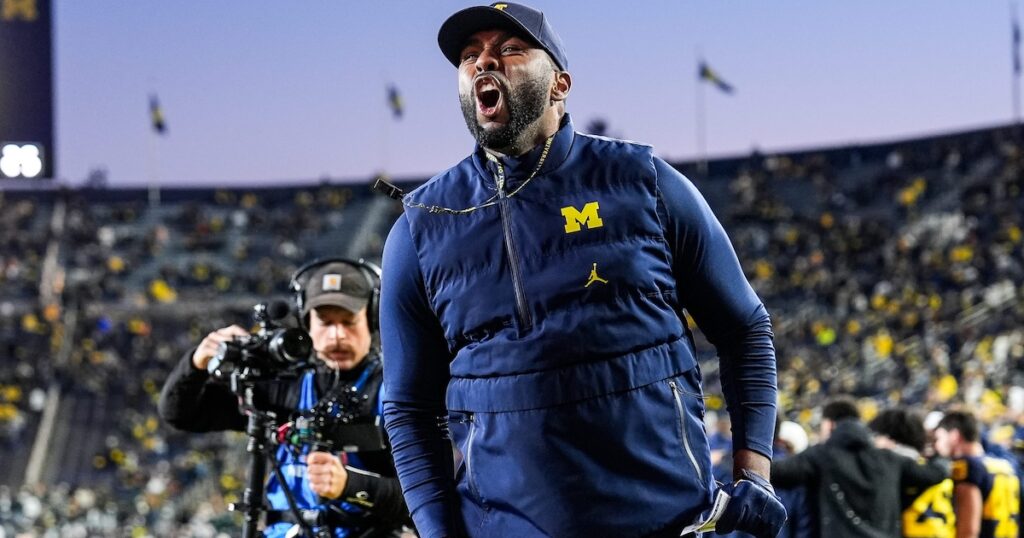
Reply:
x=488, y=97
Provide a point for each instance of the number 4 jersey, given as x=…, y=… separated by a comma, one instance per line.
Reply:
x=1000, y=493
x=929, y=514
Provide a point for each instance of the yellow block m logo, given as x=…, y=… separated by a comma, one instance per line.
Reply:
x=20, y=9
x=575, y=218
x=500, y=7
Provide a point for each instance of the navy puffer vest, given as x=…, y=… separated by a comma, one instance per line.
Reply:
x=509, y=283
x=554, y=303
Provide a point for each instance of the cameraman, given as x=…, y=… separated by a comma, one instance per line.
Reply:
x=352, y=494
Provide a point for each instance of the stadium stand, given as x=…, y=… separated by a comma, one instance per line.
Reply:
x=893, y=272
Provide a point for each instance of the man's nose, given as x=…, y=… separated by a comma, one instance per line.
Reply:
x=487, y=61
x=338, y=331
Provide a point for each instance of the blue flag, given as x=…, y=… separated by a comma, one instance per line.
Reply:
x=156, y=115
x=1016, y=45
x=395, y=102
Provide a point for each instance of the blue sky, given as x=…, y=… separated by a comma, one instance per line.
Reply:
x=262, y=92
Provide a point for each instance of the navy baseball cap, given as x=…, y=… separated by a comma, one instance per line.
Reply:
x=518, y=18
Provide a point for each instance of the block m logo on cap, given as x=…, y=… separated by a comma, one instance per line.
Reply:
x=500, y=7
x=26, y=10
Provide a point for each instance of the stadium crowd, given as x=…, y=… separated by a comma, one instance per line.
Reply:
x=900, y=300
x=894, y=274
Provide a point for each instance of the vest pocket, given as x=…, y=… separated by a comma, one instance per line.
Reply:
x=470, y=477
x=689, y=413
x=463, y=435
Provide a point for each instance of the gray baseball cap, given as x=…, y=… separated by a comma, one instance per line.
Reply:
x=337, y=284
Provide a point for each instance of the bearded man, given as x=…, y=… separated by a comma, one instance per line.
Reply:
x=532, y=309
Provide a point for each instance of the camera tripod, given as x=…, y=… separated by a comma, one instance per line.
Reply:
x=260, y=429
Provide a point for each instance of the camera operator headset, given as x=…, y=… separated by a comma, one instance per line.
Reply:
x=355, y=493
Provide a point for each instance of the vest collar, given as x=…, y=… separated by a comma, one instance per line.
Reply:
x=519, y=168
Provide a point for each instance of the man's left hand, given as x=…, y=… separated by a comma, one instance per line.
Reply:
x=327, y=475
x=753, y=507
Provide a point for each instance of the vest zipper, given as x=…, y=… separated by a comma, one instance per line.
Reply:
x=522, y=310
x=682, y=429
x=469, y=456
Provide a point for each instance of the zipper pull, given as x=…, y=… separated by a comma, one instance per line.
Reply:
x=501, y=178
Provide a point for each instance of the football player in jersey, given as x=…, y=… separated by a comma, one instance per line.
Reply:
x=986, y=491
x=927, y=512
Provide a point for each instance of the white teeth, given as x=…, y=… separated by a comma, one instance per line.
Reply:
x=485, y=85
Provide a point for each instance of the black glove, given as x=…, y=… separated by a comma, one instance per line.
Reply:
x=753, y=508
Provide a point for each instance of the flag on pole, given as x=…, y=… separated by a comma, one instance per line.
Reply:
x=156, y=115
x=708, y=74
x=395, y=102
x=1016, y=44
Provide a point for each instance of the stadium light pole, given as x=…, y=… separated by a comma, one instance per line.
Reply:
x=154, y=165
x=1015, y=39
x=702, y=151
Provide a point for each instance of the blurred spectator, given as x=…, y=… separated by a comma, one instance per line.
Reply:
x=854, y=487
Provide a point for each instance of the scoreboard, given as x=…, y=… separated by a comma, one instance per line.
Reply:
x=26, y=89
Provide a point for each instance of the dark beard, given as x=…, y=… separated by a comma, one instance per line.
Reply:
x=525, y=105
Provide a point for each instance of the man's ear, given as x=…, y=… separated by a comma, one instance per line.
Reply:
x=561, y=86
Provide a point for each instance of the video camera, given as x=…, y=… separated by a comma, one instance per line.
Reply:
x=274, y=352
x=336, y=424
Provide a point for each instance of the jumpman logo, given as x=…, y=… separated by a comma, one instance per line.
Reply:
x=594, y=277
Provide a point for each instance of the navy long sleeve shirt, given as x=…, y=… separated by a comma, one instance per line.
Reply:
x=716, y=294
